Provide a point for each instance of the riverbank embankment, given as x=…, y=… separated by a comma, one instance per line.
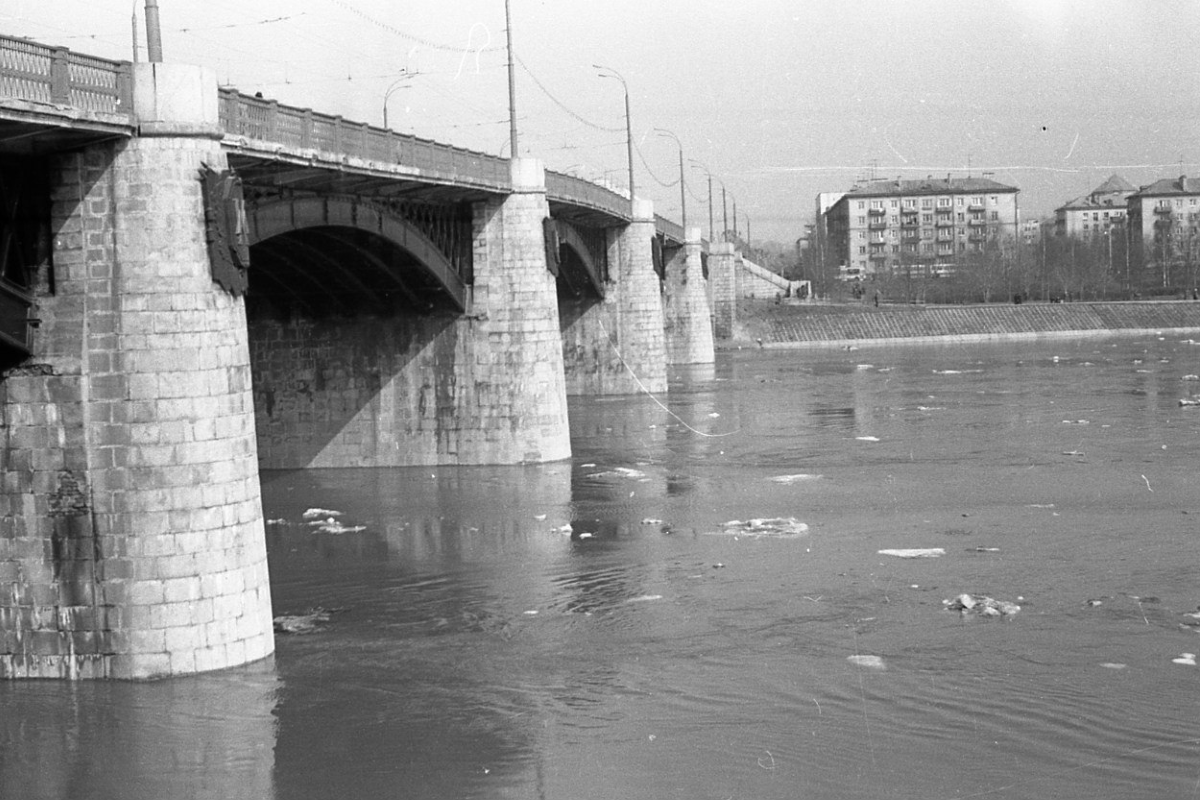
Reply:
x=765, y=324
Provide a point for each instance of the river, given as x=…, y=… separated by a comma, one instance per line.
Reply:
x=749, y=592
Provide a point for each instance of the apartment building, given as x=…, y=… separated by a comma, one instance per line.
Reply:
x=1164, y=229
x=1097, y=213
x=921, y=227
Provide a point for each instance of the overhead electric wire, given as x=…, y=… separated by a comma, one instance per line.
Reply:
x=410, y=37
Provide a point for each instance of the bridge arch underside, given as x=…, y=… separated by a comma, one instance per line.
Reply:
x=355, y=351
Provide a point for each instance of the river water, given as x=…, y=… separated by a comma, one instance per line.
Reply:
x=599, y=629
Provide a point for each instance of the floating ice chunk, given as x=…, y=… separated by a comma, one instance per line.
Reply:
x=1189, y=401
x=1113, y=665
x=277, y=522
x=1187, y=659
x=874, y=662
x=644, y=598
x=651, y=521
x=314, y=513
x=914, y=552
x=713, y=415
x=867, y=438
x=800, y=476
x=983, y=606
x=1190, y=378
x=331, y=525
x=619, y=472
x=533, y=612
x=947, y=372
x=301, y=623
x=781, y=527
x=540, y=517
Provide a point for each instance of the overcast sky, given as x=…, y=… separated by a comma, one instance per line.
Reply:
x=779, y=99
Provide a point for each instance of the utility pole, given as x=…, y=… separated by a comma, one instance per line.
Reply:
x=512, y=86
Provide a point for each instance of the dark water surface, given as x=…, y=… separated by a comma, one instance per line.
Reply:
x=475, y=649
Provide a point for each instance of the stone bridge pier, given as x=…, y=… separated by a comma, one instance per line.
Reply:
x=616, y=344
x=132, y=543
x=687, y=320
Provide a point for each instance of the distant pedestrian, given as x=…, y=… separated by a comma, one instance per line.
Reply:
x=877, y=298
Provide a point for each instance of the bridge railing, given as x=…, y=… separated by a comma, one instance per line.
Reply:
x=264, y=120
x=38, y=73
x=578, y=191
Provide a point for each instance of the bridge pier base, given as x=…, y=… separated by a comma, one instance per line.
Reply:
x=723, y=287
x=617, y=346
x=131, y=532
x=687, y=322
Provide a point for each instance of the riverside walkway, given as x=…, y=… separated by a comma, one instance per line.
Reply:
x=815, y=325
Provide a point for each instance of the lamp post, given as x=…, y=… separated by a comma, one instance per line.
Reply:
x=512, y=85
x=682, y=184
x=612, y=73
x=695, y=163
x=399, y=83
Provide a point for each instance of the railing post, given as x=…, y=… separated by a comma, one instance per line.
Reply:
x=124, y=87
x=306, y=130
x=60, y=76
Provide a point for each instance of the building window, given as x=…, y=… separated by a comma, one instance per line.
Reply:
x=895, y=204
x=862, y=249
x=862, y=220
x=994, y=199
x=910, y=202
x=876, y=204
x=995, y=215
x=862, y=204
x=927, y=219
x=926, y=202
x=944, y=202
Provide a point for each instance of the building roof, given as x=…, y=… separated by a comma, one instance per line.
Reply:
x=1182, y=185
x=1114, y=185
x=929, y=186
x=1110, y=194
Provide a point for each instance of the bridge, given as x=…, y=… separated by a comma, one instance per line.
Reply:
x=196, y=284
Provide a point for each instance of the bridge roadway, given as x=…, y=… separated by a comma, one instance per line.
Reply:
x=196, y=284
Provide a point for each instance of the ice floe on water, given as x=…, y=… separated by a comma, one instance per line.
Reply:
x=779, y=527
x=982, y=606
x=914, y=552
x=1187, y=659
x=325, y=520
x=303, y=623
x=790, y=479
x=874, y=662
x=867, y=438
x=627, y=473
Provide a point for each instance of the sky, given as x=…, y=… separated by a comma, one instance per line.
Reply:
x=777, y=100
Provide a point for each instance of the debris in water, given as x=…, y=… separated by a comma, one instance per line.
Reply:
x=652, y=521
x=914, y=552
x=1189, y=401
x=775, y=526
x=1187, y=659
x=1073, y=453
x=314, y=513
x=874, y=662
x=331, y=525
x=983, y=606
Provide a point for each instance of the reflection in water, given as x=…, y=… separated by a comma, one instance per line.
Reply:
x=210, y=736
x=571, y=631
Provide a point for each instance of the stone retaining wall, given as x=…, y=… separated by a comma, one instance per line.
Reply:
x=805, y=325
